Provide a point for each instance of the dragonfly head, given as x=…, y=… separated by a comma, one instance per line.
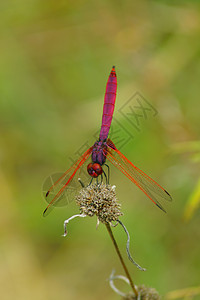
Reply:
x=94, y=169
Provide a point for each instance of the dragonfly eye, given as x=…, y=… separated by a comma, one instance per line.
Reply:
x=94, y=170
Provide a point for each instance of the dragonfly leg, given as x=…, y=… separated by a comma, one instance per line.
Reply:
x=108, y=173
x=101, y=178
x=90, y=181
x=105, y=177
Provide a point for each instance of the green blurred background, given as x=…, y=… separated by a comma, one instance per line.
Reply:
x=55, y=58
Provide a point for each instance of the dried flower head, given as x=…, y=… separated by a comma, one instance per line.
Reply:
x=145, y=293
x=99, y=200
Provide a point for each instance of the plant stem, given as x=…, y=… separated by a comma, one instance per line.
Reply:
x=121, y=259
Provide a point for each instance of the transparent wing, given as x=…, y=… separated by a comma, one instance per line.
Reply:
x=60, y=188
x=151, y=188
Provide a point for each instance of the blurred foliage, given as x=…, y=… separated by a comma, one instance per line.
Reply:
x=193, y=202
x=55, y=57
x=192, y=150
x=188, y=293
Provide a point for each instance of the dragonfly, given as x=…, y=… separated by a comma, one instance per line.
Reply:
x=95, y=158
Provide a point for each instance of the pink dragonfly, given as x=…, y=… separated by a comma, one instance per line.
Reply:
x=102, y=150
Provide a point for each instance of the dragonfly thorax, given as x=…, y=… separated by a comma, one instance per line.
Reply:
x=99, y=152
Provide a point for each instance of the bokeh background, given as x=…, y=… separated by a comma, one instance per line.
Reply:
x=55, y=58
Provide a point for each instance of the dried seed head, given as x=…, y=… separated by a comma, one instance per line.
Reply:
x=146, y=293
x=99, y=200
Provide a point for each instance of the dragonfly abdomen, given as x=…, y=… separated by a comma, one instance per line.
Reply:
x=109, y=105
